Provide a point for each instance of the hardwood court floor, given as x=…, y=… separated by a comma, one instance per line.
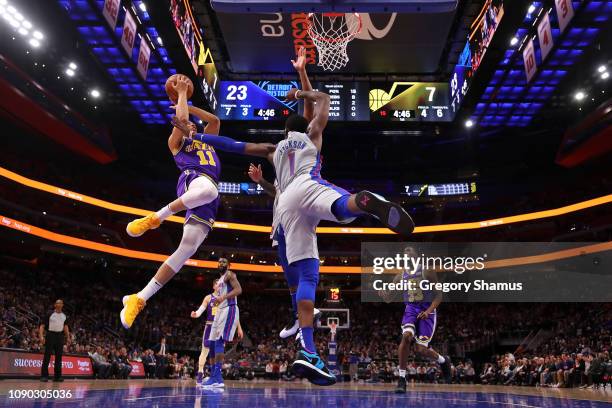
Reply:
x=183, y=393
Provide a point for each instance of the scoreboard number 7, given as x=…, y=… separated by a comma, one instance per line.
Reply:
x=432, y=91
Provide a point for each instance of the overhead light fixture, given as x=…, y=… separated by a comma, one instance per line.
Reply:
x=72, y=66
x=514, y=41
x=579, y=95
x=531, y=9
x=70, y=72
x=95, y=93
x=605, y=75
x=469, y=123
x=142, y=7
x=38, y=35
x=26, y=24
x=34, y=42
x=22, y=31
x=602, y=68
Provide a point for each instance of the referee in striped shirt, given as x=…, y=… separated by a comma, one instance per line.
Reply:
x=57, y=329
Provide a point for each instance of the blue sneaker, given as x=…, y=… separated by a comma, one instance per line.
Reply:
x=215, y=380
x=310, y=366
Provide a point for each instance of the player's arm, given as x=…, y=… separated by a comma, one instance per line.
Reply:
x=182, y=114
x=300, y=66
x=256, y=174
x=197, y=313
x=213, y=123
x=387, y=296
x=236, y=288
x=239, y=331
x=431, y=277
x=227, y=144
x=321, y=112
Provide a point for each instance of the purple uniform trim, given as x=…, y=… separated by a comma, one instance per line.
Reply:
x=315, y=174
x=422, y=329
x=231, y=317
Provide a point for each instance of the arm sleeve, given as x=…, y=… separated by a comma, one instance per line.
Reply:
x=223, y=143
x=200, y=310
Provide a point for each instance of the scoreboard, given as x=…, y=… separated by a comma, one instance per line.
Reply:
x=445, y=189
x=410, y=102
x=349, y=101
x=247, y=100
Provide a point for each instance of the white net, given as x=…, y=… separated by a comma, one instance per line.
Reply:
x=331, y=33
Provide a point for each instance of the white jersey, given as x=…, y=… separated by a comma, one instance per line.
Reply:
x=224, y=288
x=295, y=156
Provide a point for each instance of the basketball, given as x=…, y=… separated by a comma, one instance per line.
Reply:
x=170, y=88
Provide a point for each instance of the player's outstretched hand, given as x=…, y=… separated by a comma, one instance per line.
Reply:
x=181, y=85
x=291, y=95
x=255, y=172
x=194, y=315
x=300, y=62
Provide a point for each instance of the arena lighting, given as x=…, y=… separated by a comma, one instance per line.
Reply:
x=514, y=41
x=95, y=93
x=38, y=35
x=34, y=42
x=602, y=68
x=605, y=75
x=469, y=123
x=69, y=72
x=72, y=66
x=150, y=256
x=142, y=7
x=554, y=212
x=531, y=9
x=579, y=95
x=159, y=41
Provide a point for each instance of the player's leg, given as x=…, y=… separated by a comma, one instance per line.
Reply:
x=324, y=200
x=292, y=277
x=194, y=234
x=425, y=329
x=202, y=359
x=392, y=215
x=228, y=323
x=201, y=191
x=308, y=363
x=408, y=329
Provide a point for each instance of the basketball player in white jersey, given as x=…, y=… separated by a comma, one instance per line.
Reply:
x=304, y=200
x=226, y=321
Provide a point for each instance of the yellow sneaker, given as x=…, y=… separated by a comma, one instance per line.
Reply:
x=141, y=225
x=132, y=305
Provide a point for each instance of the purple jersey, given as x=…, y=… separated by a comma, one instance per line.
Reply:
x=211, y=310
x=417, y=298
x=198, y=157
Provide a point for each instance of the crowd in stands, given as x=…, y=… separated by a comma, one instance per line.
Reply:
x=576, y=354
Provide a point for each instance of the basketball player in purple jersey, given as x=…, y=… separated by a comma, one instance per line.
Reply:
x=210, y=311
x=419, y=322
x=197, y=193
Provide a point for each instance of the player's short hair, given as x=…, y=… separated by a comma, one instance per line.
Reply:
x=296, y=123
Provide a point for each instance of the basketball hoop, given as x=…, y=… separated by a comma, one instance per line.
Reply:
x=332, y=324
x=331, y=33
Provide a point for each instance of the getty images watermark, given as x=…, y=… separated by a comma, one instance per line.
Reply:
x=487, y=272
